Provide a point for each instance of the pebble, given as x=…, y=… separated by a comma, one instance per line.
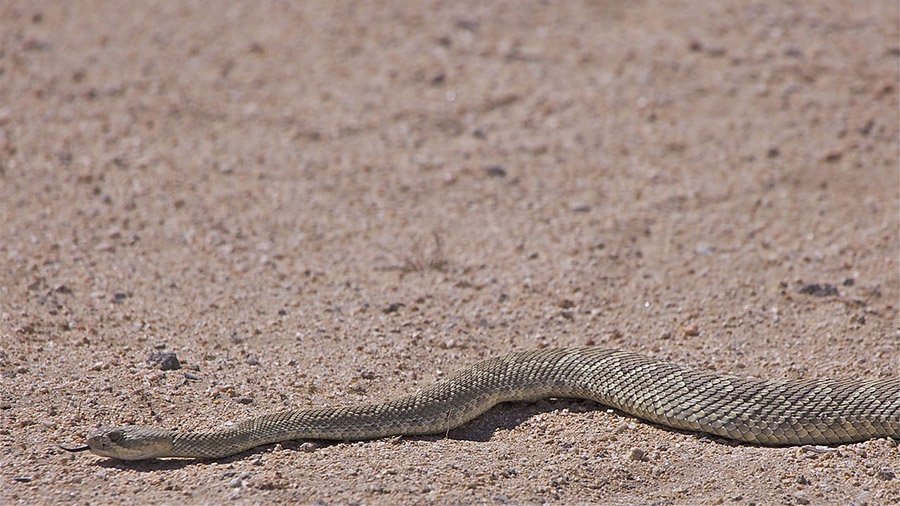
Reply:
x=801, y=498
x=308, y=447
x=235, y=483
x=392, y=308
x=817, y=290
x=885, y=474
x=495, y=171
x=817, y=449
x=164, y=360
x=637, y=455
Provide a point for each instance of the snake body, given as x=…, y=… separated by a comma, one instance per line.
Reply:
x=781, y=412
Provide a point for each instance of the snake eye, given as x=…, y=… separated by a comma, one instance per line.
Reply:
x=115, y=435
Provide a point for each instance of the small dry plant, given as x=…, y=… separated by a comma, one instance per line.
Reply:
x=419, y=259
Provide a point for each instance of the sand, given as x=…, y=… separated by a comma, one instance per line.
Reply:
x=313, y=204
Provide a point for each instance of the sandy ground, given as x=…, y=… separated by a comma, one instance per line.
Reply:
x=315, y=205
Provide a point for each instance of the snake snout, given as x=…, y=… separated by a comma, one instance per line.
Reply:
x=130, y=442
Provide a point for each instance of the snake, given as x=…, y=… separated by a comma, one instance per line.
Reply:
x=779, y=412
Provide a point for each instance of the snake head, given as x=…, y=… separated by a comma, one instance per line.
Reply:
x=130, y=442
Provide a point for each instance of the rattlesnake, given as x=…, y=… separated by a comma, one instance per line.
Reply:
x=780, y=412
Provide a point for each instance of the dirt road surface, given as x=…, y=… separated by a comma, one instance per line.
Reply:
x=313, y=204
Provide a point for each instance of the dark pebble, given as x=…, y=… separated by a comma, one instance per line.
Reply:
x=817, y=290
x=245, y=400
x=834, y=157
x=393, y=308
x=164, y=360
x=495, y=171
x=885, y=474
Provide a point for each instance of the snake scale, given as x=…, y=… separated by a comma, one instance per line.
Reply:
x=781, y=412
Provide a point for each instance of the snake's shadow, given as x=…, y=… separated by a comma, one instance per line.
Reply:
x=504, y=416
x=509, y=415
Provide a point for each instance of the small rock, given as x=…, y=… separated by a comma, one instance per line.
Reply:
x=392, y=308
x=495, y=171
x=704, y=250
x=97, y=366
x=252, y=360
x=164, y=360
x=801, y=480
x=638, y=455
x=235, y=483
x=692, y=331
x=22, y=479
x=817, y=449
x=308, y=447
x=817, y=290
x=801, y=498
x=833, y=157
x=579, y=207
x=245, y=400
x=885, y=474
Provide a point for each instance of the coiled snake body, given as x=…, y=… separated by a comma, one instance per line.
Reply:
x=783, y=412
